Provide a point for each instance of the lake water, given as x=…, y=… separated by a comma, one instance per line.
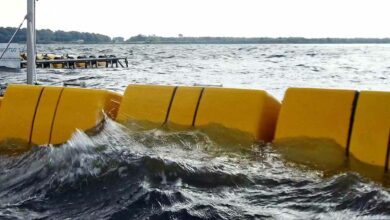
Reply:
x=122, y=173
x=270, y=67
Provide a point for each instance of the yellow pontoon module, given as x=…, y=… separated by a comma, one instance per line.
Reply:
x=49, y=115
x=251, y=111
x=356, y=121
x=359, y=122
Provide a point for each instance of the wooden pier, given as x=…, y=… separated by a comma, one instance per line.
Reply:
x=83, y=63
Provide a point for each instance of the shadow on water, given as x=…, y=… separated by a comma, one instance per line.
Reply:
x=138, y=171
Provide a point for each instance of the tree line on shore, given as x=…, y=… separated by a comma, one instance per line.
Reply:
x=49, y=36
x=255, y=40
x=46, y=36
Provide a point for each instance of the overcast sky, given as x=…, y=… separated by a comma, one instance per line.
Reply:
x=238, y=18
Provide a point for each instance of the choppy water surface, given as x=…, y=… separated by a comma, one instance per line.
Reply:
x=122, y=173
x=270, y=67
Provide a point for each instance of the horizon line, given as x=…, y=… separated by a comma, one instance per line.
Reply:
x=207, y=36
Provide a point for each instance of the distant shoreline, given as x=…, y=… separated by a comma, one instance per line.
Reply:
x=73, y=37
x=179, y=43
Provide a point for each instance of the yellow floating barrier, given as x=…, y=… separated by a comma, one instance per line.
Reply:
x=316, y=113
x=81, y=65
x=359, y=123
x=146, y=103
x=17, y=111
x=251, y=111
x=81, y=109
x=58, y=65
x=371, y=130
x=102, y=64
x=184, y=106
x=45, y=113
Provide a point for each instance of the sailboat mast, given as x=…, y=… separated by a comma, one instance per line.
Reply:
x=31, y=65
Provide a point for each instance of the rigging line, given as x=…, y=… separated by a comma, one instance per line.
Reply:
x=13, y=36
